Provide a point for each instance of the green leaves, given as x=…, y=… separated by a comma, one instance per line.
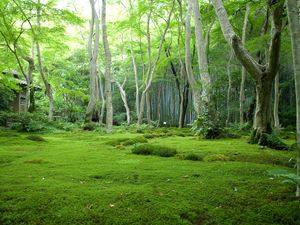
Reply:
x=290, y=177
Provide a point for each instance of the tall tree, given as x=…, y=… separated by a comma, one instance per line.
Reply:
x=39, y=55
x=294, y=24
x=202, y=46
x=93, y=46
x=242, y=86
x=188, y=61
x=108, y=94
x=263, y=75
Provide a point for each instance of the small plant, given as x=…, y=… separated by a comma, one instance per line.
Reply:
x=35, y=138
x=193, y=157
x=147, y=149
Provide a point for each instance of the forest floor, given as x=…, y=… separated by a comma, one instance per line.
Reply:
x=80, y=177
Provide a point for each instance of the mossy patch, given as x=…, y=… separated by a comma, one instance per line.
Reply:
x=36, y=138
x=216, y=157
x=193, y=157
x=36, y=161
x=148, y=149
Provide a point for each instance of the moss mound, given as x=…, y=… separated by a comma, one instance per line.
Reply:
x=36, y=138
x=147, y=149
x=193, y=157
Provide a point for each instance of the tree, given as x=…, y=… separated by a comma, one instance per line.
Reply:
x=39, y=55
x=294, y=24
x=263, y=75
x=108, y=95
x=242, y=87
x=93, y=56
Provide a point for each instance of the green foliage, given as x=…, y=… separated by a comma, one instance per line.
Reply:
x=289, y=177
x=206, y=127
x=138, y=139
x=148, y=149
x=193, y=157
x=28, y=122
x=90, y=126
x=6, y=97
x=272, y=141
x=36, y=138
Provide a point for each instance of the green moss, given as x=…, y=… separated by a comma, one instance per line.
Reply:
x=193, y=157
x=215, y=157
x=35, y=138
x=148, y=149
x=88, y=183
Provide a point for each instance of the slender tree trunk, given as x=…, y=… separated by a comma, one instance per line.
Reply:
x=108, y=94
x=148, y=105
x=242, y=87
x=229, y=88
x=30, y=103
x=294, y=23
x=93, y=57
x=102, y=97
x=124, y=99
x=276, y=102
x=46, y=83
x=136, y=78
x=159, y=105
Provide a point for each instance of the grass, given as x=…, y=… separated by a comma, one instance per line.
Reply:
x=78, y=178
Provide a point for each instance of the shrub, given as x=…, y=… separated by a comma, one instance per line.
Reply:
x=147, y=149
x=117, y=141
x=290, y=177
x=89, y=126
x=193, y=157
x=272, y=141
x=207, y=127
x=28, y=122
x=165, y=151
x=35, y=138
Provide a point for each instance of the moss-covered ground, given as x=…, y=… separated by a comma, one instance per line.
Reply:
x=80, y=178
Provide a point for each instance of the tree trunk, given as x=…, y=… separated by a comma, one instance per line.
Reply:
x=188, y=61
x=102, y=97
x=46, y=83
x=148, y=105
x=229, y=88
x=93, y=57
x=136, y=78
x=294, y=24
x=158, y=104
x=242, y=86
x=124, y=99
x=109, y=107
x=262, y=74
x=206, y=82
x=276, y=102
x=263, y=114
